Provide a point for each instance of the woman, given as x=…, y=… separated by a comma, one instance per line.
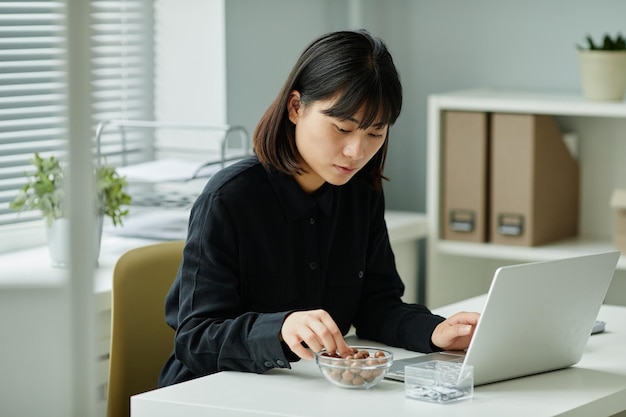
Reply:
x=288, y=249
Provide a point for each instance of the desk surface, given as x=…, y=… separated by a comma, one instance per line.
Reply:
x=595, y=386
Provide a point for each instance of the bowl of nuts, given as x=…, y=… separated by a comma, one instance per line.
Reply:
x=363, y=368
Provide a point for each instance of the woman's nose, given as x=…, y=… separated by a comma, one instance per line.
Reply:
x=354, y=147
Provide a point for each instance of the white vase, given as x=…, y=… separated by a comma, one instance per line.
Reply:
x=603, y=74
x=58, y=236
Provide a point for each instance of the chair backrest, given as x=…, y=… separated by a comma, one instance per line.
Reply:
x=141, y=341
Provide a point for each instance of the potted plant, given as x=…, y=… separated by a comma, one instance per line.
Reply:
x=603, y=68
x=43, y=191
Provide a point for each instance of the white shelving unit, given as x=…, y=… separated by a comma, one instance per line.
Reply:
x=457, y=270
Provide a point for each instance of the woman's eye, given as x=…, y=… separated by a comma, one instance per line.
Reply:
x=340, y=130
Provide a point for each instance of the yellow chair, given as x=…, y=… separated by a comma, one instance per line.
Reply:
x=141, y=341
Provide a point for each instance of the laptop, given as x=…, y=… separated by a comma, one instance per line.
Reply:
x=537, y=317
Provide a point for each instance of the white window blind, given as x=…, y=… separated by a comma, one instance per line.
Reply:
x=33, y=82
x=122, y=74
x=32, y=92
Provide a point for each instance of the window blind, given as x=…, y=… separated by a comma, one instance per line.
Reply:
x=33, y=82
x=122, y=73
x=32, y=92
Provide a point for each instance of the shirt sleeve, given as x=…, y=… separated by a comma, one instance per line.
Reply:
x=382, y=315
x=211, y=333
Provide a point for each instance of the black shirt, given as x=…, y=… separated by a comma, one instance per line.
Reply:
x=258, y=248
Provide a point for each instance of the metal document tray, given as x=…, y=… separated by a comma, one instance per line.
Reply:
x=167, y=164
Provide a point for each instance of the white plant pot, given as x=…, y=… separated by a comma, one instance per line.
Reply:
x=58, y=235
x=603, y=74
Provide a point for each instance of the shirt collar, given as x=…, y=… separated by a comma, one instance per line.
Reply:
x=297, y=203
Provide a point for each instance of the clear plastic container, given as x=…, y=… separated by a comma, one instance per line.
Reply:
x=439, y=381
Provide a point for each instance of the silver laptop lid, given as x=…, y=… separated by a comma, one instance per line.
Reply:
x=538, y=316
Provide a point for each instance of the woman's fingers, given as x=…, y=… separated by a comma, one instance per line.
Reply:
x=316, y=329
x=455, y=333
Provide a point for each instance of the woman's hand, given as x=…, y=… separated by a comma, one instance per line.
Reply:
x=455, y=333
x=316, y=329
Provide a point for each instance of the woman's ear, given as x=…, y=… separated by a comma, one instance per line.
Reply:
x=294, y=106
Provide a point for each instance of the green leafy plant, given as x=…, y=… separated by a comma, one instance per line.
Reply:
x=44, y=191
x=111, y=195
x=608, y=43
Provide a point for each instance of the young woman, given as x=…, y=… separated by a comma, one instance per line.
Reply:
x=288, y=249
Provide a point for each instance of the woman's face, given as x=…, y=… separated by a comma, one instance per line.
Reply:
x=333, y=150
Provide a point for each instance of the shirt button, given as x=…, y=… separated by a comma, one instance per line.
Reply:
x=268, y=364
x=361, y=274
x=311, y=220
x=280, y=363
x=313, y=265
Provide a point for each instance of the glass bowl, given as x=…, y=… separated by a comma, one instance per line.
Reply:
x=363, y=369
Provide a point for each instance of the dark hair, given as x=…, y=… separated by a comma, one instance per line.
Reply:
x=354, y=66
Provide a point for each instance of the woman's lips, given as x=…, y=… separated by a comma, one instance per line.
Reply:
x=345, y=170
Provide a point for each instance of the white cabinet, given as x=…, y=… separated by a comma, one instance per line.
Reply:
x=457, y=270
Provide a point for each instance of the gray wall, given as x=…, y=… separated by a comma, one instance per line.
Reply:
x=438, y=45
x=263, y=41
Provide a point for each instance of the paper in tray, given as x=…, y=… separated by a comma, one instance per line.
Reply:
x=156, y=224
x=170, y=169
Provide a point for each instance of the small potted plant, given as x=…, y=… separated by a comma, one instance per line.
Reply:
x=603, y=68
x=43, y=191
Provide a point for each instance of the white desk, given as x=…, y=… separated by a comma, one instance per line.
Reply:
x=594, y=387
